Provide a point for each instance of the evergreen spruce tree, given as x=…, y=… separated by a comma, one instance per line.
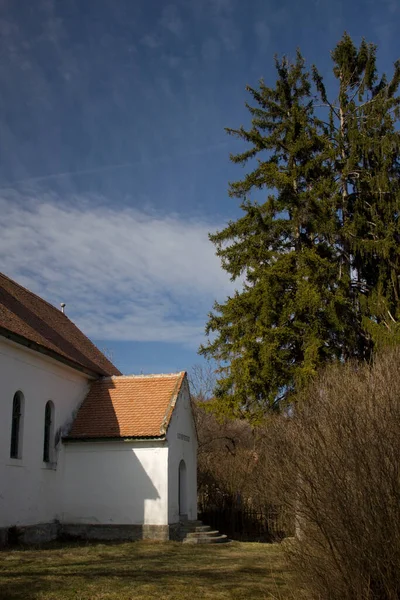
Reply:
x=320, y=254
x=365, y=152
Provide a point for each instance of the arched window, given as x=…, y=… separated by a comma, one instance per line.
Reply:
x=16, y=425
x=48, y=431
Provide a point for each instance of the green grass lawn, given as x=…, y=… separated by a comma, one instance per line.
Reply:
x=145, y=570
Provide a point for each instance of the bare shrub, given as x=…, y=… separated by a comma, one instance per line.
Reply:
x=234, y=492
x=226, y=458
x=336, y=466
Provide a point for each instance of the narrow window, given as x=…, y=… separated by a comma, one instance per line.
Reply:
x=15, y=449
x=48, y=430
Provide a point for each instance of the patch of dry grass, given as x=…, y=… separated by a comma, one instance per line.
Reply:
x=145, y=570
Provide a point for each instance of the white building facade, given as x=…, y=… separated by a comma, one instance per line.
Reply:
x=147, y=486
x=84, y=453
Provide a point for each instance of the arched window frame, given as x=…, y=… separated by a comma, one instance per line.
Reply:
x=48, y=436
x=17, y=423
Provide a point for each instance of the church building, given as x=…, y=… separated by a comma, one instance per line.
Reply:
x=86, y=452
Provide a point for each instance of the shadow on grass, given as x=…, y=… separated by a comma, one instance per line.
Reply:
x=63, y=545
x=60, y=569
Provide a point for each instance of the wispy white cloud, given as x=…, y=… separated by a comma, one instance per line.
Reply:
x=221, y=6
x=165, y=85
x=171, y=20
x=123, y=273
x=218, y=19
x=151, y=41
x=210, y=50
x=263, y=33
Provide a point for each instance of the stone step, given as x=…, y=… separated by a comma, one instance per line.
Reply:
x=195, y=532
x=200, y=534
x=220, y=539
x=198, y=529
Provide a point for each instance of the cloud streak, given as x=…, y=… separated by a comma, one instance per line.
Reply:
x=124, y=274
x=98, y=169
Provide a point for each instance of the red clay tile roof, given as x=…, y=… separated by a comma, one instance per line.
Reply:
x=25, y=317
x=131, y=406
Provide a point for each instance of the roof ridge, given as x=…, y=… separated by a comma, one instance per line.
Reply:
x=172, y=402
x=36, y=295
x=144, y=376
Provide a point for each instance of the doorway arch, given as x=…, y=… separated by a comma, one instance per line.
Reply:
x=183, y=509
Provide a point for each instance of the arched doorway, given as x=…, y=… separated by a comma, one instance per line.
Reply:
x=182, y=489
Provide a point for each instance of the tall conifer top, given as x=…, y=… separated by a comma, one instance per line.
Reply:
x=317, y=243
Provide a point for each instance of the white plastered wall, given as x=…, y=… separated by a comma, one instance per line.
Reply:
x=182, y=445
x=120, y=483
x=29, y=489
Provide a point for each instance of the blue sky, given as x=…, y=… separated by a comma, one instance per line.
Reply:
x=114, y=163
